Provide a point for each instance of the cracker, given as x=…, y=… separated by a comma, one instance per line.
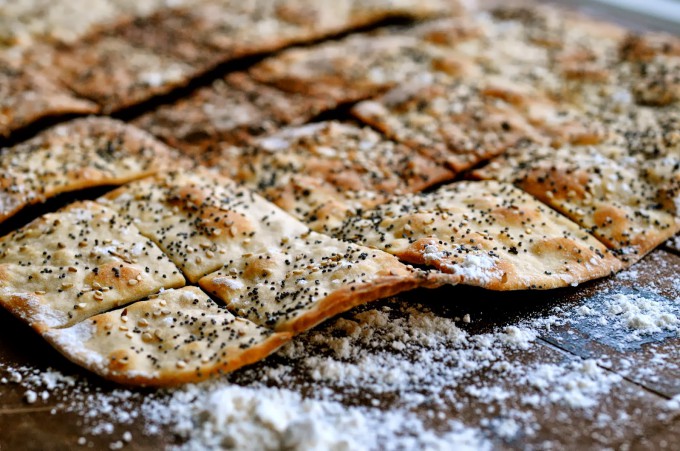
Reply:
x=230, y=111
x=307, y=279
x=324, y=172
x=200, y=219
x=25, y=22
x=629, y=207
x=69, y=265
x=453, y=122
x=355, y=68
x=177, y=337
x=486, y=234
x=117, y=74
x=80, y=154
x=27, y=95
x=243, y=28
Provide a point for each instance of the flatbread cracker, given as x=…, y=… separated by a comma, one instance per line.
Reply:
x=485, y=234
x=82, y=260
x=27, y=95
x=116, y=74
x=630, y=208
x=25, y=22
x=200, y=219
x=321, y=173
x=453, y=122
x=177, y=337
x=232, y=110
x=674, y=243
x=83, y=153
x=307, y=279
x=140, y=61
x=355, y=68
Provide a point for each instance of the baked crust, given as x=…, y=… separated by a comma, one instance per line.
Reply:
x=117, y=74
x=177, y=337
x=457, y=124
x=28, y=95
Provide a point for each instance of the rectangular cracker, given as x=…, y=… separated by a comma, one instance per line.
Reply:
x=25, y=22
x=242, y=28
x=231, y=110
x=27, y=95
x=69, y=265
x=200, y=219
x=631, y=207
x=80, y=154
x=352, y=69
x=453, y=122
x=125, y=65
x=117, y=74
x=307, y=279
x=324, y=172
x=486, y=234
x=674, y=243
x=177, y=337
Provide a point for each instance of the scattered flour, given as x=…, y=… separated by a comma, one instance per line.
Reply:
x=635, y=313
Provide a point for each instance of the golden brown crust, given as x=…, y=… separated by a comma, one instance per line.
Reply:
x=349, y=70
x=116, y=74
x=80, y=154
x=348, y=298
x=455, y=123
x=180, y=336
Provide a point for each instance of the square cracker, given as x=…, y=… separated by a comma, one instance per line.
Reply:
x=178, y=336
x=117, y=74
x=454, y=122
x=80, y=154
x=231, y=110
x=82, y=260
x=322, y=173
x=630, y=204
x=200, y=219
x=306, y=280
x=241, y=28
x=486, y=234
x=354, y=68
x=28, y=95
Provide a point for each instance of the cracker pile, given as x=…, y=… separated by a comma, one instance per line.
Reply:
x=509, y=149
